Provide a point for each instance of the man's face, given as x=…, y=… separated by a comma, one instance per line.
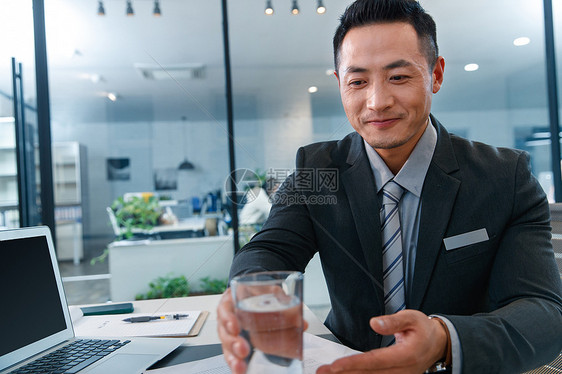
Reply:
x=386, y=85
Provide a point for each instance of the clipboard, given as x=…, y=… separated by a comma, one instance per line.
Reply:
x=198, y=323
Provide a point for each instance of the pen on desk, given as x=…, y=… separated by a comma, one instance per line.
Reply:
x=155, y=318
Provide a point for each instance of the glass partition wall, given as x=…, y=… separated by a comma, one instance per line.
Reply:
x=19, y=164
x=495, y=77
x=138, y=122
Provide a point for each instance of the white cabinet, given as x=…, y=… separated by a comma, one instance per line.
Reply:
x=8, y=176
x=67, y=175
x=69, y=182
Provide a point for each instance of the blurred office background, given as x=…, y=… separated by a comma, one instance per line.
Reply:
x=138, y=106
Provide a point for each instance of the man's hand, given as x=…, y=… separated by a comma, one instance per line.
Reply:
x=234, y=347
x=420, y=342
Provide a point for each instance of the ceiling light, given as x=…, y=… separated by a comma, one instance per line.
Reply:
x=471, y=67
x=112, y=96
x=312, y=89
x=268, y=8
x=329, y=72
x=295, y=9
x=320, y=9
x=157, y=12
x=130, y=11
x=521, y=41
x=101, y=9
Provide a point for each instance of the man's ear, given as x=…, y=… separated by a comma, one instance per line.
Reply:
x=437, y=74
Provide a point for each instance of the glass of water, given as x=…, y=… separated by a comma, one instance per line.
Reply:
x=269, y=310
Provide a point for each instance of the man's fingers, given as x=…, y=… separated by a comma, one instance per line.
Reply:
x=234, y=347
x=236, y=365
x=393, y=323
x=225, y=314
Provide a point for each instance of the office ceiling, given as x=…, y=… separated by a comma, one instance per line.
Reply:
x=274, y=58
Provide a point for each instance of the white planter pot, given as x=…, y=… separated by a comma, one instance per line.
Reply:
x=134, y=264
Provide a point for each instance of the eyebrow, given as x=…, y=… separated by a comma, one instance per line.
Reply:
x=354, y=69
x=392, y=65
x=397, y=64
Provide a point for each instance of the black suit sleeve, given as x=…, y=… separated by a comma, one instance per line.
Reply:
x=524, y=329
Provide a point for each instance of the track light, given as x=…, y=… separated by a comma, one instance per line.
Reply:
x=101, y=9
x=157, y=12
x=295, y=9
x=320, y=9
x=130, y=11
x=268, y=8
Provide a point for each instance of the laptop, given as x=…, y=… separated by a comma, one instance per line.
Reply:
x=35, y=321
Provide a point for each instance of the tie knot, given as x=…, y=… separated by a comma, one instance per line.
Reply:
x=391, y=193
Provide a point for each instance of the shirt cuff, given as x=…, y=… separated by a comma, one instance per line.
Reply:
x=456, y=351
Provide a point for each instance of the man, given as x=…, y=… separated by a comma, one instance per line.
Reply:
x=473, y=222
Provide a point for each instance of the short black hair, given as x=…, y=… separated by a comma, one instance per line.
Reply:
x=368, y=12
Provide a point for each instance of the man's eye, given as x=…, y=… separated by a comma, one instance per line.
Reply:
x=397, y=78
x=356, y=83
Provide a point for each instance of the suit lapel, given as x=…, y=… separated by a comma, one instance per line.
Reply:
x=359, y=186
x=437, y=201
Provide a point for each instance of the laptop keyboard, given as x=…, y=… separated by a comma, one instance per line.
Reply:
x=73, y=357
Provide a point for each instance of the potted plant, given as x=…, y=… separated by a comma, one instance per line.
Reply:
x=136, y=212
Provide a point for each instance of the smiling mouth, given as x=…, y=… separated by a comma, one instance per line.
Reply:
x=382, y=122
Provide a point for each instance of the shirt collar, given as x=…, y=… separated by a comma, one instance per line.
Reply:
x=412, y=174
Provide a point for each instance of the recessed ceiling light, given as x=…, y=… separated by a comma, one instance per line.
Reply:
x=112, y=96
x=312, y=89
x=521, y=41
x=471, y=67
x=329, y=71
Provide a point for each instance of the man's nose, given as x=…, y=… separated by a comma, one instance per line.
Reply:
x=379, y=98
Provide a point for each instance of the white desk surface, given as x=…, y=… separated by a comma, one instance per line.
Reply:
x=208, y=333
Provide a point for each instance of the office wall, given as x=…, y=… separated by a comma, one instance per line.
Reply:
x=149, y=146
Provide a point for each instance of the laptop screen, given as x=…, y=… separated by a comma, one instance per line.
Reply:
x=31, y=305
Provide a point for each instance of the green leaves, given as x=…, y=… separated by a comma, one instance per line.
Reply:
x=136, y=213
x=214, y=286
x=170, y=286
x=166, y=287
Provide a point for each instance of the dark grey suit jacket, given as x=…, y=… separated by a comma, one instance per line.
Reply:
x=503, y=295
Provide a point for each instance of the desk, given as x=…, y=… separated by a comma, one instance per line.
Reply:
x=207, y=343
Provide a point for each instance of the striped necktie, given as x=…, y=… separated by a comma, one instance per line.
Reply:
x=393, y=272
